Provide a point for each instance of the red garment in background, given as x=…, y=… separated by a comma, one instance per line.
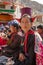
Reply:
x=3, y=41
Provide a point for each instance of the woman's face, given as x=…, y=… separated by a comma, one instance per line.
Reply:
x=39, y=30
x=25, y=24
x=13, y=29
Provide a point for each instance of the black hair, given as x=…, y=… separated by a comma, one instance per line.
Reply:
x=16, y=25
x=9, y=30
x=40, y=26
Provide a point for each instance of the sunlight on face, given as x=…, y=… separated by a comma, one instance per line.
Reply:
x=25, y=24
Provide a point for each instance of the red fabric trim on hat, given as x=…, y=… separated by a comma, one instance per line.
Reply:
x=33, y=19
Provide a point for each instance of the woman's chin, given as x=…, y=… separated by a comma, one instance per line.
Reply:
x=25, y=30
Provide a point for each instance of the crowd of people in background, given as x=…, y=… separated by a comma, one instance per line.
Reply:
x=21, y=43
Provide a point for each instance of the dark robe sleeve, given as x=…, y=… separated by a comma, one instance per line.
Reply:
x=31, y=54
x=15, y=42
x=12, y=50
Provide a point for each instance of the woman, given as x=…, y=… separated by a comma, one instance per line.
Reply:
x=13, y=46
x=28, y=55
x=33, y=47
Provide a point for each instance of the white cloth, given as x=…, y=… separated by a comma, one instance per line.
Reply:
x=38, y=43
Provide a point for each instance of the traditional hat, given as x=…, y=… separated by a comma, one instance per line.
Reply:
x=27, y=10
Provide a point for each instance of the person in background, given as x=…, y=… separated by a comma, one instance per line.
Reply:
x=40, y=30
x=13, y=46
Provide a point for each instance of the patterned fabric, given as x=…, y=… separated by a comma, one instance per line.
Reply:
x=39, y=59
x=38, y=49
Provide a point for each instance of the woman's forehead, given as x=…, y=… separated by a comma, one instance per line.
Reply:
x=12, y=27
x=25, y=19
